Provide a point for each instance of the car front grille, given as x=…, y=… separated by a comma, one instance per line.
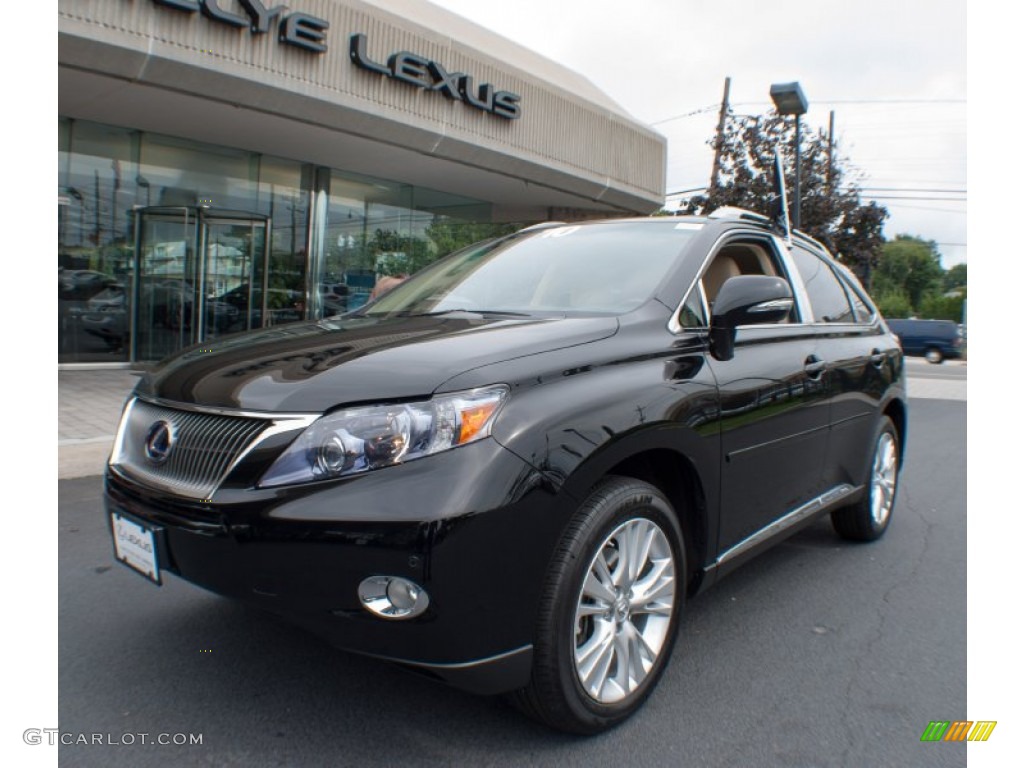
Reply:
x=201, y=450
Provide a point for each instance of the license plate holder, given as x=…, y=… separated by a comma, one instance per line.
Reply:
x=136, y=545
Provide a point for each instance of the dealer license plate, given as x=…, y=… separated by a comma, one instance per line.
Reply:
x=135, y=546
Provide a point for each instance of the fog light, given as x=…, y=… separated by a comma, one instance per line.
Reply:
x=392, y=597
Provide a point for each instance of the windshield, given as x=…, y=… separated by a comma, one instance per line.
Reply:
x=602, y=268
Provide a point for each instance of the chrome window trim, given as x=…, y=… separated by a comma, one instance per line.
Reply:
x=785, y=261
x=846, y=280
x=674, y=325
x=803, y=300
x=850, y=283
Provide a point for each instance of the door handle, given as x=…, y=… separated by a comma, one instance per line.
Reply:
x=814, y=366
x=877, y=358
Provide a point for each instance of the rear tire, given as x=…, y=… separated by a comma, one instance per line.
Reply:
x=933, y=355
x=869, y=518
x=609, y=610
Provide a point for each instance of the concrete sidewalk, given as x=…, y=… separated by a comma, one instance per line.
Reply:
x=88, y=409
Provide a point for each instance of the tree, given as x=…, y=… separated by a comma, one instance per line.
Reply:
x=909, y=266
x=943, y=307
x=955, y=277
x=394, y=253
x=894, y=305
x=830, y=211
x=448, y=234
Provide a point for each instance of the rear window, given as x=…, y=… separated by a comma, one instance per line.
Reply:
x=829, y=301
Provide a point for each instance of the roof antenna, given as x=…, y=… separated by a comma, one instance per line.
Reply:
x=778, y=209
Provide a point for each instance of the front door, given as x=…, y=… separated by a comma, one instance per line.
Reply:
x=775, y=419
x=198, y=277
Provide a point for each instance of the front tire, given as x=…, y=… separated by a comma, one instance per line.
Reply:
x=869, y=518
x=609, y=611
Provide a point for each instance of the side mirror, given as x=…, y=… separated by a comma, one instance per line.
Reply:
x=746, y=300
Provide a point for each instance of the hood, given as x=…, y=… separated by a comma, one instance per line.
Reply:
x=312, y=367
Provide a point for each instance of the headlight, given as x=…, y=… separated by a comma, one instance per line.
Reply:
x=360, y=439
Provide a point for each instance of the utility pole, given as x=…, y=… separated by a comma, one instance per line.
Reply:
x=717, y=165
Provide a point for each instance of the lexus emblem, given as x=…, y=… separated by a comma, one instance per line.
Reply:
x=159, y=440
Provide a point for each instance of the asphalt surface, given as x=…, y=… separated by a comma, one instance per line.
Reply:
x=817, y=653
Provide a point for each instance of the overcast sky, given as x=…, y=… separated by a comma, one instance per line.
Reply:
x=894, y=71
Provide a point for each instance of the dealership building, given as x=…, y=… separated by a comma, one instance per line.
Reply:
x=230, y=164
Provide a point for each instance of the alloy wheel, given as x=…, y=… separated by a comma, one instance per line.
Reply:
x=624, y=610
x=883, y=479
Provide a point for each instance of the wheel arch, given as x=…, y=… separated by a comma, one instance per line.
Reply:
x=675, y=474
x=897, y=411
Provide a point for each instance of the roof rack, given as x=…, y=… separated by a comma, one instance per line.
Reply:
x=542, y=225
x=731, y=212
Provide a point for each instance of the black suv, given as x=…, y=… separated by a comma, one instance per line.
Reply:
x=510, y=471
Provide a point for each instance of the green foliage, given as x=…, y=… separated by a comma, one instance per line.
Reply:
x=830, y=210
x=894, y=305
x=395, y=254
x=943, y=308
x=909, y=266
x=448, y=235
x=955, y=277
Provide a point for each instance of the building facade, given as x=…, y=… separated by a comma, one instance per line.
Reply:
x=231, y=164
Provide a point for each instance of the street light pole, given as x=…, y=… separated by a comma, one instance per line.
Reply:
x=796, y=183
x=789, y=99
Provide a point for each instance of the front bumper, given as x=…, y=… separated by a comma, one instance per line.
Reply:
x=476, y=530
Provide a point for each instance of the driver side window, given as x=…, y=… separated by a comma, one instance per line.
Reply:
x=745, y=257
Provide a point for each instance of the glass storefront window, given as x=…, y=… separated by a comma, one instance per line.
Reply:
x=163, y=242
x=284, y=197
x=377, y=229
x=94, y=240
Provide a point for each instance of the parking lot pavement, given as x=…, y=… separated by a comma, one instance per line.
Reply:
x=818, y=653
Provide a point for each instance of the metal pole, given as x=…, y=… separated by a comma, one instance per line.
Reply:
x=716, y=165
x=796, y=183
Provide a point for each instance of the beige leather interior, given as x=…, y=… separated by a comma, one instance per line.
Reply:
x=721, y=269
x=732, y=260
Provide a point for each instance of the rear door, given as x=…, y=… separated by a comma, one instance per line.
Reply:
x=861, y=359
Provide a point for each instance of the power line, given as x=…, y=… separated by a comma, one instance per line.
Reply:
x=700, y=111
x=916, y=197
x=686, y=191
x=909, y=189
x=860, y=101
x=925, y=208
